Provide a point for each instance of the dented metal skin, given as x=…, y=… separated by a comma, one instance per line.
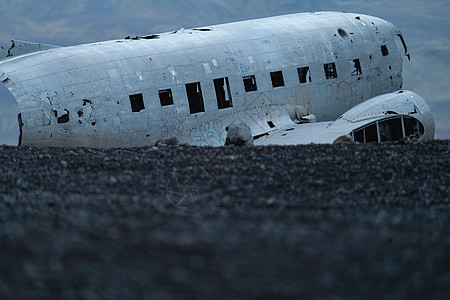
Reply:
x=400, y=104
x=108, y=94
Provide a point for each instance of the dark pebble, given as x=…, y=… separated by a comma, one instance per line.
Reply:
x=180, y=222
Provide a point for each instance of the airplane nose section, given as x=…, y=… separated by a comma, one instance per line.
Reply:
x=425, y=116
x=430, y=126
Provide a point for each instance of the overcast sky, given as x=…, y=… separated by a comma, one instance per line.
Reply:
x=425, y=26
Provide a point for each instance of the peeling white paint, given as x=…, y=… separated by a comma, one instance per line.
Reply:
x=207, y=68
x=51, y=86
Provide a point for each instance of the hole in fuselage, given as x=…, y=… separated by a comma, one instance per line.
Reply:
x=343, y=33
x=9, y=111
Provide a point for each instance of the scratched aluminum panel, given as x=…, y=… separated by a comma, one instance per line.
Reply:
x=103, y=75
x=137, y=65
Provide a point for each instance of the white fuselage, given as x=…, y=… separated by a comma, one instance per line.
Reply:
x=191, y=84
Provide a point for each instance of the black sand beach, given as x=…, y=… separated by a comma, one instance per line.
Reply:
x=180, y=222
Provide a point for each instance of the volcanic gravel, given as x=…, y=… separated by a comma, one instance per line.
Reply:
x=181, y=222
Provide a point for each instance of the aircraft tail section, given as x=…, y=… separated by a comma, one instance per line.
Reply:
x=19, y=48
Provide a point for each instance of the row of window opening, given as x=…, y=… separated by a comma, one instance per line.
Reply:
x=223, y=91
x=194, y=94
x=392, y=129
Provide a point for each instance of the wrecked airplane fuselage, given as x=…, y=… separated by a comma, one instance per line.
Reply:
x=270, y=74
x=397, y=116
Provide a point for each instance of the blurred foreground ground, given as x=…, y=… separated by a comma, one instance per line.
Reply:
x=322, y=221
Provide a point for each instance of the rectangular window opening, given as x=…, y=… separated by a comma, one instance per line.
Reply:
x=384, y=50
x=195, y=97
x=137, y=102
x=391, y=130
x=304, y=75
x=355, y=67
x=371, y=133
x=223, y=93
x=250, y=83
x=277, y=79
x=165, y=97
x=330, y=70
x=358, y=136
x=413, y=128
